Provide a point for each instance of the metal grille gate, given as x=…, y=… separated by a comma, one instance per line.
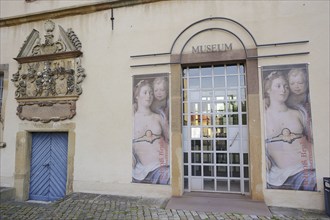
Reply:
x=48, y=166
x=214, y=127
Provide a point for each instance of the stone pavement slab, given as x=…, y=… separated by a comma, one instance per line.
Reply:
x=214, y=202
x=82, y=206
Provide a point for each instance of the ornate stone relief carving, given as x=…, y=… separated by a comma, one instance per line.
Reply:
x=49, y=78
x=46, y=111
x=49, y=75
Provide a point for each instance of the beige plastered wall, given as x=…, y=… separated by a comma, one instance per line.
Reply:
x=103, y=124
x=10, y=9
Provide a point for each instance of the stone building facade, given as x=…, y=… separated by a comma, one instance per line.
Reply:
x=157, y=98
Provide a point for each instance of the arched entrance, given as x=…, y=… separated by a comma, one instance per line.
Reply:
x=217, y=129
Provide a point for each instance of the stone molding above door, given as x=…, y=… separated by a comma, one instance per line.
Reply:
x=49, y=75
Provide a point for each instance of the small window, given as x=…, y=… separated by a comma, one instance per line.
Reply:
x=3, y=77
x=1, y=89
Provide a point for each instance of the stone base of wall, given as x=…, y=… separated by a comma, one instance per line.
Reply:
x=7, y=194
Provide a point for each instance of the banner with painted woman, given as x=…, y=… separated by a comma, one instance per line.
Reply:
x=150, y=129
x=288, y=128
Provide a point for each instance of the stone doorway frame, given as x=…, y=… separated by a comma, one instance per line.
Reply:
x=23, y=155
x=254, y=118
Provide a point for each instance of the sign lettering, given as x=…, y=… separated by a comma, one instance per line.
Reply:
x=212, y=48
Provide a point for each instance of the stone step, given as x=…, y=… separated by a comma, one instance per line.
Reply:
x=7, y=194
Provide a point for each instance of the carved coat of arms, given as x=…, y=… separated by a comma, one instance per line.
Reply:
x=49, y=75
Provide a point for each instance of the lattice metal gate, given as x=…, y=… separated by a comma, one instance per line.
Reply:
x=215, y=131
x=48, y=166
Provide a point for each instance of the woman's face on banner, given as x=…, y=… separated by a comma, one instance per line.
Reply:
x=279, y=90
x=145, y=96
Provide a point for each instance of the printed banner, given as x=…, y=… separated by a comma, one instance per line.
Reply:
x=288, y=128
x=151, y=129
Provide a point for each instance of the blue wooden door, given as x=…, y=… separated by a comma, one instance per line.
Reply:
x=48, y=166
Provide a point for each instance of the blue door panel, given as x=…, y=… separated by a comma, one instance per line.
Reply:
x=48, y=166
x=40, y=157
x=58, y=168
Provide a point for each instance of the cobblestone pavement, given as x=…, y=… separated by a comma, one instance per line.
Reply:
x=95, y=206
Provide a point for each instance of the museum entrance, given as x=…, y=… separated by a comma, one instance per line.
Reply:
x=214, y=128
